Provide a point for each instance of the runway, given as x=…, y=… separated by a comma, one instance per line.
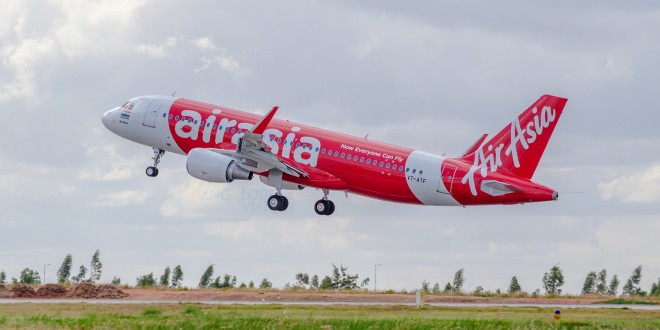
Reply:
x=316, y=303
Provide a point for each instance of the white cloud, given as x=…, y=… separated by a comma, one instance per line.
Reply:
x=156, y=50
x=193, y=198
x=639, y=187
x=226, y=63
x=204, y=43
x=107, y=164
x=122, y=198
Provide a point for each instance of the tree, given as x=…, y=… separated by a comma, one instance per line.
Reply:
x=302, y=280
x=95, y=267
x=614, y=286
x=251, y=284
x=314, y=284
x=448, y=288
x=326, y=283
x=632, y=285
x=64, y=272
x=365, y=283
x=655, y=288
x=3, y=277
x=177, y=276
x=205, y=280
x=425, y=286
x=514, y=286
x=553, y=281
x=341, y=280
x=436, y=288
x=82, y=272
x=233, y=282
x=601, y=284
x=146, y=280
x=165, y=278
x=116, y=280
x=29, y=276
x=242, y=286
x=589, y=285
x=479, y=290
x=265, y=284
x=459, y=279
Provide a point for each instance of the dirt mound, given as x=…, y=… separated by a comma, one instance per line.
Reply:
x=22, y=291
x=90, y=291
x=108, y=291
x=51, y=291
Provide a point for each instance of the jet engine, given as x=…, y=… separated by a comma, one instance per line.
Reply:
x=211, y=166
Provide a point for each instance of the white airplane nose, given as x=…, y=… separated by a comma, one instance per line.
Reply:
x=109, y=118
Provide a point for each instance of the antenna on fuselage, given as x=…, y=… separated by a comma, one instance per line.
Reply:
x=366, y=136
x=173, y=93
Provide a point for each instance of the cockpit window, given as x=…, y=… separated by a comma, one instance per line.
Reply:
x=128, y=105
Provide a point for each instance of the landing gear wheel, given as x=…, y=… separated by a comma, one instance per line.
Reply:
x=286, y=203
x=151, y=171
x=324, y=207
x=278, y=203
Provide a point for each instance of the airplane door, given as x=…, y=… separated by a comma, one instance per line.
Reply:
x=151, y=113
x=446, y=184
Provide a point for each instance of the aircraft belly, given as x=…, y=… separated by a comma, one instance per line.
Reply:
x=424, y=180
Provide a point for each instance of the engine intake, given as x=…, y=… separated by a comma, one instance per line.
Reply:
x=211, y=166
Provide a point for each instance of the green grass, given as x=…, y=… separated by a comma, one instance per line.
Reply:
x=200, y=316
x=621, y=301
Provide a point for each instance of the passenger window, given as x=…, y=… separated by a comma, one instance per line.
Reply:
x=176, y=118
x=170, y=116
x=407, y=169
x=348, y=156
x=355, y=158
x=336, y=153
x=361, y=159
x=420, y=172
x=368, y=161
x=215, y=125
x=322, y=150
x=401, y=168
x=297, y=144
x=317, y=149
x=164, y=115
x=387, y=165
x=414, y=170
x=381, y=164
x=342, y=155
x=233, y=130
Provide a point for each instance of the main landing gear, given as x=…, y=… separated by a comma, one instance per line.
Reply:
x=152, y=171
x=278, y=202
x=324, y=206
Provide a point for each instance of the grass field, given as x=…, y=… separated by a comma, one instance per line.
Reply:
x=199, y=316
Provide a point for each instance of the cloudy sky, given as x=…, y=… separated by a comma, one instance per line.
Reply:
x=431, y=75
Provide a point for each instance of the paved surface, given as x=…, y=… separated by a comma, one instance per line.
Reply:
x=315, y=303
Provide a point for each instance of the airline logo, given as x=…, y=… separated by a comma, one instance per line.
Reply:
x=489, y=160
x=217, y=131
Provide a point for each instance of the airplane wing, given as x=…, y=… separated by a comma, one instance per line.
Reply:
x=255, y=155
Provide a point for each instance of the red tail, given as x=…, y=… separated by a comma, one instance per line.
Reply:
x=522, y=143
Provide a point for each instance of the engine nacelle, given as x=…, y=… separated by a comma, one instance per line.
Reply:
x=211, y=166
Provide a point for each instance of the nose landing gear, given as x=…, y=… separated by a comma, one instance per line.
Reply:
x=152, y=171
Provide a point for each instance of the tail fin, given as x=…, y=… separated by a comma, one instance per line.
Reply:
x=519, y=146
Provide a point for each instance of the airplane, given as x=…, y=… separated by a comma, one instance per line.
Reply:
x=223, y=145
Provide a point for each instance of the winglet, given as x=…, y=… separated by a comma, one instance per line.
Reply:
x=260, y=127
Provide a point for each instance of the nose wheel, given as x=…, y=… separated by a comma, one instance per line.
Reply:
x=278, y=203
x=152, y=171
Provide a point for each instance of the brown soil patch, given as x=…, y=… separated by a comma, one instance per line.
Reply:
x=22, y=291
x=51, y=291
x=91, y=291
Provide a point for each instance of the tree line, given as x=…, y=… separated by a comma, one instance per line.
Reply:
x=338, y=279
x=552, y=282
